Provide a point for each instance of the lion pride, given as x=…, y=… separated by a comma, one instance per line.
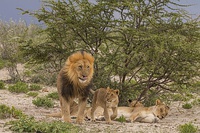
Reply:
x=74, y=81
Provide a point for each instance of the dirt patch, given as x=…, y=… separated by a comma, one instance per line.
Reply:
x=177, y=116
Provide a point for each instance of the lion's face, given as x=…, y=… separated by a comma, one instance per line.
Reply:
x=83, y=70
x=161, y=110
x=134, y=103
x=112, y=98
x=79, y=68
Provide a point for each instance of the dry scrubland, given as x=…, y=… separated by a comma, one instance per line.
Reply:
x=177, y=115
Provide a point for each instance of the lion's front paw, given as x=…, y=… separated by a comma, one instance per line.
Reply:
x=109, y=122
x=67, y=119
x=80, y=121
x=93, y=120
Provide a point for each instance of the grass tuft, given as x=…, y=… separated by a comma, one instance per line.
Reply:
x=188, y=128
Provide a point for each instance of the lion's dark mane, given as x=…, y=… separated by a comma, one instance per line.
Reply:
x=67, y=89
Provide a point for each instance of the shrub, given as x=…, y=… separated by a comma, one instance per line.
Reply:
x=188, y=128
x=196, y=102
x=121, y=119
x=43, y=102
x=32, y=94
x=178, y=97
x=7, y=112
x=35, y=87
x=187, y=106
x=25, y=124
x=53, y=95
x=2, y=63
x=29, y=124
x=19, y=87
x=2, y=85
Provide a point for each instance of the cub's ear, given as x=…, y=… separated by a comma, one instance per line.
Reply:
x=129, y=100
x=158, y=102
x=117, y=92
x=108, y=88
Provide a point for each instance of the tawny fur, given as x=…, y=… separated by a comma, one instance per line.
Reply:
x=135, y=113
x=122, y=110
x=150, y=114
x=74, y=81
x=105, y=98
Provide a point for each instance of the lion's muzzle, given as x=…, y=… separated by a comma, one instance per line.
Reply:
x=83, y=79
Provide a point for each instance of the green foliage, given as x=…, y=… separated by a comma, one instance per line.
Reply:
x=188, y=128
x=39, y=74
x=2, y=63
x=58, y=126
x=152, y=46
x=196, y=102
x=43, y=102
x=34, y=87
x=121, y=119
x=7, y=112
x=196, y=87
x=11, y=35
x=24, y=124
x=187, y=106
x=178, y=97
x=2, y=85
x=29, y=124
x=53, y=95
x=19, y=87
x=32, y=94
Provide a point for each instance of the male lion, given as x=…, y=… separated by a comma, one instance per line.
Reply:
x=74, y=81
x=105, y=98
x=150, y=114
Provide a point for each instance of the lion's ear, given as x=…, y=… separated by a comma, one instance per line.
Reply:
x=158, y=102
x=107, y=89
x=117, y=92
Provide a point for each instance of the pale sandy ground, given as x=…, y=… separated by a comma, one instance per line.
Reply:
x=177, y=116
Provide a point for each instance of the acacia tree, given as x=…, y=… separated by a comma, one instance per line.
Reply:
x=10, y=36
x=140, y=47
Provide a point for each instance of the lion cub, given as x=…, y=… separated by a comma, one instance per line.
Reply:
x=105, y=98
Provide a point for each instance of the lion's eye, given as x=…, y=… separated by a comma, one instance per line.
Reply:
x=80, y=67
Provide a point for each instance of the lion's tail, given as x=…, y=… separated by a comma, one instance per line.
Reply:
x=58, y=114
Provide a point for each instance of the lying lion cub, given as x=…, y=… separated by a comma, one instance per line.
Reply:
x=150, y=114
x=105, y=98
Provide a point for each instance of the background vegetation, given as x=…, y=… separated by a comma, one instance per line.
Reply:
x=147, y=49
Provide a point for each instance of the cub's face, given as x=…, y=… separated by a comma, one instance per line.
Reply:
x=162, y=111
x=84, y=71
x=112, y=98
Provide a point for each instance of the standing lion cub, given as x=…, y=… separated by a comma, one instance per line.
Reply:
x=105, y=98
